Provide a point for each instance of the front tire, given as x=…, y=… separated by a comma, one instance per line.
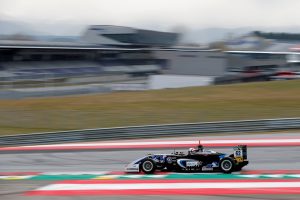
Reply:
x=148, y=166
x=227, y=165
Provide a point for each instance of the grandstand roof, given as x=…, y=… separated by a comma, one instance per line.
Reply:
x=50, y=45
x=120, y=35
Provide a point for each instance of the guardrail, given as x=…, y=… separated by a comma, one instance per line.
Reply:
x=150, y=131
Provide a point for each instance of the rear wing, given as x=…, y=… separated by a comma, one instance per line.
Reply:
x=240, y=152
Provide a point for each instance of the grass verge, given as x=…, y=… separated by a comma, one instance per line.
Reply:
x=213, y=103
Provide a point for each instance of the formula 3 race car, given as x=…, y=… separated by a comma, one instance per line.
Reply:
x=195, y=160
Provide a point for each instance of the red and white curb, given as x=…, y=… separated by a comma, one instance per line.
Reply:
x=158, y=144
x=169, y=187
x=106, y=175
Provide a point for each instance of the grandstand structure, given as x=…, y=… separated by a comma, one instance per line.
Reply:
x=114, y=54
x=262, y=56
x=278, y=61
x=101, y=51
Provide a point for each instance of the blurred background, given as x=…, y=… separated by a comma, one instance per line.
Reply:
x=104, y=63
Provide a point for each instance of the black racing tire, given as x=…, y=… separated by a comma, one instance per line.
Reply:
x=227, y=165
x=148, y=166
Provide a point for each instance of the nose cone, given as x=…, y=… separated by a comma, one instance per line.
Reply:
x=132, y=168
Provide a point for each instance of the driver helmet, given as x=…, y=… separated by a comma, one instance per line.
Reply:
x=192, y=150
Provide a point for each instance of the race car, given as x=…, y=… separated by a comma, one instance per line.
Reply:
x=195, y=160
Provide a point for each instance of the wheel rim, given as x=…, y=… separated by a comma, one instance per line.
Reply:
x=147, y=166
x=226, y=165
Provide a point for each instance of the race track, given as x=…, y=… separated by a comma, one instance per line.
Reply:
x=261, y=158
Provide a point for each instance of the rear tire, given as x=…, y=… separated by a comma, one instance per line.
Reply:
x=148, y=166
x=227, y=165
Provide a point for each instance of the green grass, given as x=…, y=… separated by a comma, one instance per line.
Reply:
x=195, y=104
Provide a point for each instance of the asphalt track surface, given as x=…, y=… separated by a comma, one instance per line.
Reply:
x=269, y=158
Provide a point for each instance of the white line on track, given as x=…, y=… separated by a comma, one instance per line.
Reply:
x=143, y=186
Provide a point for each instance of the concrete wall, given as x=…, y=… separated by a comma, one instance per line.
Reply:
x=156, y=82
x=202, y=63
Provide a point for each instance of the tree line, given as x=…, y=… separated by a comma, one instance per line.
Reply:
x=278, y=36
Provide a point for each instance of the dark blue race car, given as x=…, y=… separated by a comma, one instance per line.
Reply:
x=195, y=160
